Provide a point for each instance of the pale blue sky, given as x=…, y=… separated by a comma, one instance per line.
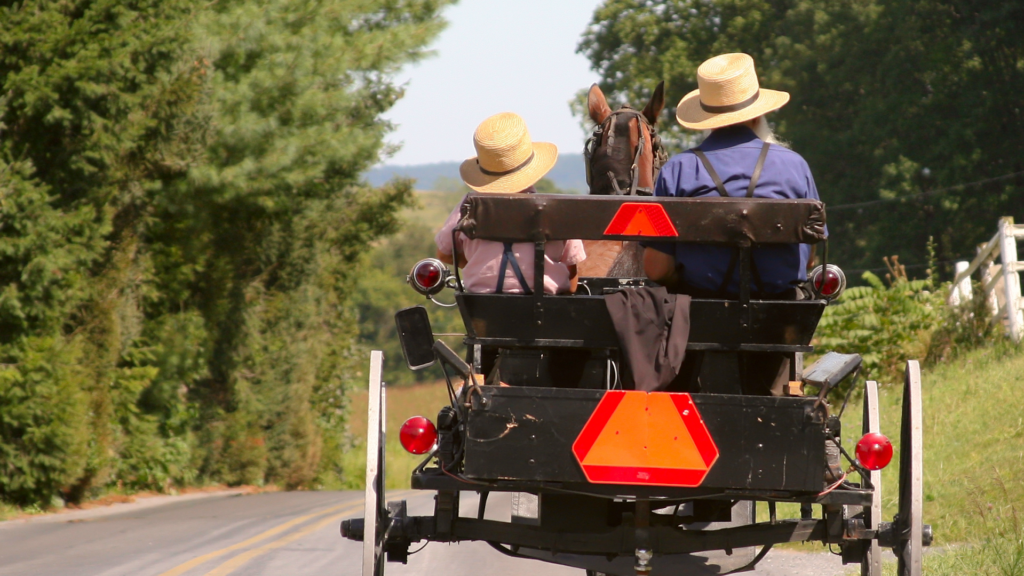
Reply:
x=495, y=56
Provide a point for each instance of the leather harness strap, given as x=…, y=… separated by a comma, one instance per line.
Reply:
x=750, y=194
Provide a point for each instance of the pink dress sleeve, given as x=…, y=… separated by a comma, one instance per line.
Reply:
x=443, y=238
x=573, y=253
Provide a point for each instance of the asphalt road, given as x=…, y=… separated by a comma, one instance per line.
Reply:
x=283, y=533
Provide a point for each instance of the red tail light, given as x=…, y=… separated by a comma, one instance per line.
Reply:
x=829, y=282
x=874, y=451
x=418, y=435
x=428, y=276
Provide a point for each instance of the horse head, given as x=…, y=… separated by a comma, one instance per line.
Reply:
x=624, y=153
x=623, y=157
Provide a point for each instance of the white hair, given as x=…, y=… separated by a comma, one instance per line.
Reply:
x=764, y=132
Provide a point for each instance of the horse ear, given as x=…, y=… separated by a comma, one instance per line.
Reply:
x=657, y=103
x=597, y=105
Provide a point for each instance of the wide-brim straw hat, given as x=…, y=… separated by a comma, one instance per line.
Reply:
x=507, y=159
x=727, y=93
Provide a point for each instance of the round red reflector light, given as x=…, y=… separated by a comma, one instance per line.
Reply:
x=427, y=274
x=828, y=285
x=874, y=451
x=418, y=435
x=828, y=282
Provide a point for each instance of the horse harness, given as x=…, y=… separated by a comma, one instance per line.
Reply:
x=595, y=140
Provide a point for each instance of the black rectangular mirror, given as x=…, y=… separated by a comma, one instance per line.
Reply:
x=416, y=336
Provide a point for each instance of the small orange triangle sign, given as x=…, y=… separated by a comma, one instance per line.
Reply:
x=641, y=219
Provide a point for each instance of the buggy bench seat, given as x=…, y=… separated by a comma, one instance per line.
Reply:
x=580, y=321
x=512, y=320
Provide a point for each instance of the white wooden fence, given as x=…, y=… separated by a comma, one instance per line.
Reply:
x=999, y=282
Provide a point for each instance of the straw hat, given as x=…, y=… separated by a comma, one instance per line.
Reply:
x=727, y=93
x=507, y=160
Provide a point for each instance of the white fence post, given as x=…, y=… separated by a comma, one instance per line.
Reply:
x=986, y=280
x=961, y=292
x=1011, y=279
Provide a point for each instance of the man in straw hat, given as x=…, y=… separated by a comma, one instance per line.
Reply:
x=739, y=158
x=508, y=162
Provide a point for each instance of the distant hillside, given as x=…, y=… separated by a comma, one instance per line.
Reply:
x=568, y=174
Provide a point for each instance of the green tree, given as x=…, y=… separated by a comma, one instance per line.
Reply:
x=182, y=224
x=881, y=91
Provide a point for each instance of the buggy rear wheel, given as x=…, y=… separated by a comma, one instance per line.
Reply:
x=909, y=523
x=375, y=513
x=871, y=565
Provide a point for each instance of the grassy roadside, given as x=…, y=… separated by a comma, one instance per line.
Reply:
x=402, y=403
x=973, y=461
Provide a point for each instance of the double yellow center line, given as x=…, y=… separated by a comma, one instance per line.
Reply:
x=241, y=559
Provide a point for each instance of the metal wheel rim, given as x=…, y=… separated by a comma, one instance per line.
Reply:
x=871, y=565
x=374, y=500
x=909, y=521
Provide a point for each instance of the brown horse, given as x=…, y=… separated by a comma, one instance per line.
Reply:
x=623, y=157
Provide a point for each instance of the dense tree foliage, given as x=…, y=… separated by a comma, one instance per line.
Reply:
x=181, y=223
x=382, y=289
x=908, y=111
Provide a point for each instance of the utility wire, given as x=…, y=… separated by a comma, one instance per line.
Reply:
x=926, y=194
x=909, y=266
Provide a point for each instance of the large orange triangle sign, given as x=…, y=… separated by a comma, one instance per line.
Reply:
x=641, y=219
x=652, y=438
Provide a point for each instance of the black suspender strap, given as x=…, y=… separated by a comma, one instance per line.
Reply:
x=501, y=270
x=718, y=181
x=509, y=257
x=711, y=172
x=750, y=194
x=757, y=170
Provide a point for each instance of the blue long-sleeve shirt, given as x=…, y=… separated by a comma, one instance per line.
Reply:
x=733, y=153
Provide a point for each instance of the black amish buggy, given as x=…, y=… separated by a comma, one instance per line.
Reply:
x=620, y=481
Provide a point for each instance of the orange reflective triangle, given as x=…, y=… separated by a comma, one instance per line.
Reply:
x=629, y=439
x=654, y=439
x=641, y=219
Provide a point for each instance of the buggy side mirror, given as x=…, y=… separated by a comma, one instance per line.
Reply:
x=416, y=336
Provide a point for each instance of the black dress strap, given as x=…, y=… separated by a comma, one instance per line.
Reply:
x=509, y=257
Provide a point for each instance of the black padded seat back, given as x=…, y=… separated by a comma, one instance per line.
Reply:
x=722, y=221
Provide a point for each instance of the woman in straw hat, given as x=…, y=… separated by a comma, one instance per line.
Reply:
x=508, y=162
x=738, y=158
